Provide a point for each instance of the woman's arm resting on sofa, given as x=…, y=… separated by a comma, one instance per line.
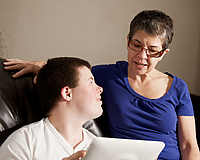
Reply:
x=24, y=67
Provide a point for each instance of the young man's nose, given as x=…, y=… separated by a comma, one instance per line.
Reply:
x=100, y=89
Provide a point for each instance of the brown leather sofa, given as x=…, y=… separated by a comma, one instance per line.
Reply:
x=19, y=105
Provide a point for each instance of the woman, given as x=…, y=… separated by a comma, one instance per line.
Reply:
x=142, y=102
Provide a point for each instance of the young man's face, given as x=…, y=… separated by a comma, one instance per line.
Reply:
x=87, y=95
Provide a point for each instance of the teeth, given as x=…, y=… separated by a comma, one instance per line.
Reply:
x=140, y=64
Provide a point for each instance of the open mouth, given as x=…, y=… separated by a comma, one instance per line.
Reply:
x=99, y=99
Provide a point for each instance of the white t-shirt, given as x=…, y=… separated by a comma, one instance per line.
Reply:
x=41, y=141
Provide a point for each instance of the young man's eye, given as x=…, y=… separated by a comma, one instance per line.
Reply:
x=91, y=82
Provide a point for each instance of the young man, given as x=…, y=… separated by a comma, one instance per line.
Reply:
x=69, y=97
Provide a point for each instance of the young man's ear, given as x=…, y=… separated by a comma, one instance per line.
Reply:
x=66, y=93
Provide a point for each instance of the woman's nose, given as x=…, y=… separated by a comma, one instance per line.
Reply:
x=143, y=53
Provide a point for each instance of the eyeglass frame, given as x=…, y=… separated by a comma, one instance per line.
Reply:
x=160, y=52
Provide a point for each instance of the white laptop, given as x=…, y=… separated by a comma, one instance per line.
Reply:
x=123, y=149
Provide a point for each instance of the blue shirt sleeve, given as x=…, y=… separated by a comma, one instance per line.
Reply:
x=184, y=107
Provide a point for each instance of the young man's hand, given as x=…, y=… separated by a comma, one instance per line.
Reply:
x=76, y=156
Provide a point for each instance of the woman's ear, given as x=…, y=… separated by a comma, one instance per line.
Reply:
x=167, y=50
x=127, y=40
x=66, y=93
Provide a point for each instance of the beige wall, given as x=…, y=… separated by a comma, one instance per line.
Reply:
x=96, y=30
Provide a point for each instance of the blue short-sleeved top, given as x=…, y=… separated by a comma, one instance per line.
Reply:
x=133, y=116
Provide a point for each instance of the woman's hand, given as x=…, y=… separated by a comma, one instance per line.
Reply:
x=76, y=156
x=23, y=67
